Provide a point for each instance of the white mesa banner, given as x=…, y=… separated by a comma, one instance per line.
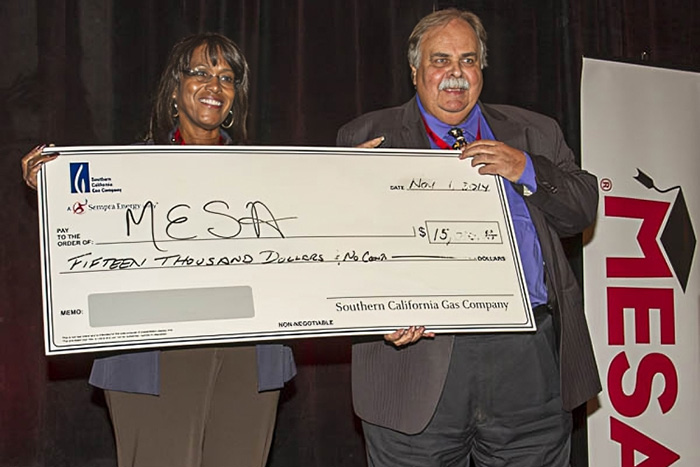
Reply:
x=152, y=246
x=641, y=137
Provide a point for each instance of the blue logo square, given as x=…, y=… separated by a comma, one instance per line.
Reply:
x=79, y=177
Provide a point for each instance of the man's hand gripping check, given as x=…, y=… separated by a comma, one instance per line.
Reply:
x=492, y=158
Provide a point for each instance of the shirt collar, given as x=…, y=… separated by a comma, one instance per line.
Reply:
x=224, y=137
x=468, y=126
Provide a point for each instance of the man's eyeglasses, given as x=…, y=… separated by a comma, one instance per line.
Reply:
x=226, y=80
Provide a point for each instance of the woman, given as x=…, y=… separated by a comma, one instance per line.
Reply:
x=195, y=407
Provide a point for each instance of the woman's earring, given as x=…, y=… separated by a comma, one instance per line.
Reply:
x=176, y=113
x=230, y=118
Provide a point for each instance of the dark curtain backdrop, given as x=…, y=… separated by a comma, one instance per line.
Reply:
x=82, y=72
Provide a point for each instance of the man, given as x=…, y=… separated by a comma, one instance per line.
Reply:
x=497, y=399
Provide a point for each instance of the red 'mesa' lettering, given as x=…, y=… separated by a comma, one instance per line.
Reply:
x=641, y=301
x=632, y=441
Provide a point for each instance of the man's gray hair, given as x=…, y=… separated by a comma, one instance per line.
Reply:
x=441, y=18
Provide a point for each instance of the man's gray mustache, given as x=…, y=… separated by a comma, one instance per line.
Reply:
x=454, y=83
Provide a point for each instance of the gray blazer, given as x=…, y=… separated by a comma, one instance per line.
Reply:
x=400, y=388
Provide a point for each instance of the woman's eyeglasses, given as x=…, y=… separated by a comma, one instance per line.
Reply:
x=226, y=80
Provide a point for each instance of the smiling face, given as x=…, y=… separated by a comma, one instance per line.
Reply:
x=448, y=79
x=203, y=106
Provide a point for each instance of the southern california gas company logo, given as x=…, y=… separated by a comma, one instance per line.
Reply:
x=81, y=182
x=79, y=177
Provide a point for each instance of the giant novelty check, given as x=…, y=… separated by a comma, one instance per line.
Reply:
x=156, y=246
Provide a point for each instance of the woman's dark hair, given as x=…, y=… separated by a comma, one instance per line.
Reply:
x=216, y=47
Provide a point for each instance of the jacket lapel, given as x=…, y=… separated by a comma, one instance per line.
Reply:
x=503, y=129
x=412, y=129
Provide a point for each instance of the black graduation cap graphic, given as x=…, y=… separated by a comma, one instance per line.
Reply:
x=678, y=237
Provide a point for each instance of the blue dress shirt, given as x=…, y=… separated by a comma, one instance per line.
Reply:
x=525, y=234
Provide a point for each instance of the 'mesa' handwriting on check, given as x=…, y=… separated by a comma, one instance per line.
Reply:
x=258, y=217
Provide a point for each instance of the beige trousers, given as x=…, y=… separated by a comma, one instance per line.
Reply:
x=209, y=413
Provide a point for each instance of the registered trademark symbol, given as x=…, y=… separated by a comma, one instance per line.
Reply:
x=606, y=184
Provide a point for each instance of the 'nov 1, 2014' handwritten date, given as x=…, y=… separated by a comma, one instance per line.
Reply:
x=426, y=184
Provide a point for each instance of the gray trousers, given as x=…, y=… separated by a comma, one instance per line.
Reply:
x=208, y=414
x=500, y=406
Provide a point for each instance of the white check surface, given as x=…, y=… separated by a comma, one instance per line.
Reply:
x=154, y=246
